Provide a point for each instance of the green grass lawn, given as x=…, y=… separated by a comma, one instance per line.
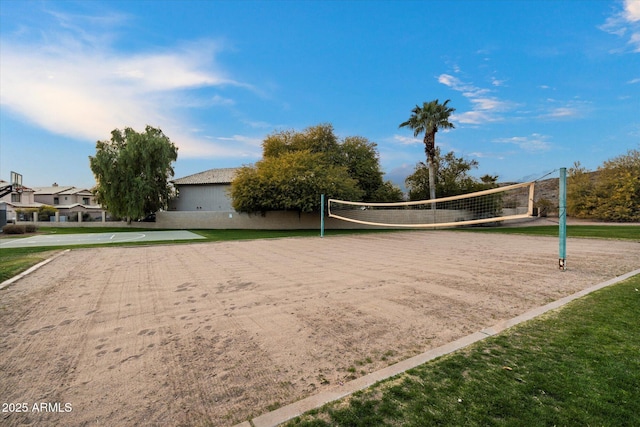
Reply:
x=15, y=261
x=627, y=232
x=576, y=366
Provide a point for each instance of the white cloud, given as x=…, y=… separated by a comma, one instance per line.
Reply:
x=485, y=108
x=563, y=112
x=467, y=89
x=405, y=140
x=160, y=72
x=533, y=143
x=632, y=10
x=474, y=117
x=625, y=24
x=71, y=82
x=558, y=110
x=489, y=104
x=484, y=155
x=449, y=80
x=497, y=82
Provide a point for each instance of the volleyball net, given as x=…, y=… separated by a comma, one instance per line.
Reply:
x=487, y=206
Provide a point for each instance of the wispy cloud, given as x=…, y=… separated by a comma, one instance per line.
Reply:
x=532, y=143
x=406, y=140
x=497, y=82
x=563, y=110
x=485, y=107
x=625, y=23
x=70, y=81
x=487, y=155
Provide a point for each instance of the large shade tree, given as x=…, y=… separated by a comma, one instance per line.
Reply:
x=132, y=172
x=428, y=119
x=299, y=166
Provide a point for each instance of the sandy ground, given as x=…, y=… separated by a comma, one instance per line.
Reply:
x=216, y=333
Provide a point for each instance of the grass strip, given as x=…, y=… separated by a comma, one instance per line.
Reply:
x=15, y=261
x=623, y=232
x=578, y=365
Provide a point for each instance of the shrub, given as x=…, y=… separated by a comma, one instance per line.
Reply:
x=610, y=194
x=19, y=228
x=45, y=212
x=545, y=207
x=14, y=229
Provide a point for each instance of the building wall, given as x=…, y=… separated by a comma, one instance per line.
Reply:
x=276, y=220
x=287, y=220
x=26, y=197
x=209, y=198
x=64, y=199
x=47, y=199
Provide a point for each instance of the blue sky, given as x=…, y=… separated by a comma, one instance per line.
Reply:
x=536, y=85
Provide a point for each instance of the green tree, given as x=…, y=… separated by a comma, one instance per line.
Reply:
x=132, y=172
x=452, y=178
x=581, y=200
x=612, y=193
x=299, y=166
x=428, y=119
x=360, y=157
x=45, y=212
x=618, y=188
x=290, y=181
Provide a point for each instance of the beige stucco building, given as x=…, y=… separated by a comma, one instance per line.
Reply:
x=204, y=191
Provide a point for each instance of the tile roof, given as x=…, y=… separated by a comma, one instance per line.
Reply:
x=4, y=184
x=60, y=190
x=211, y=176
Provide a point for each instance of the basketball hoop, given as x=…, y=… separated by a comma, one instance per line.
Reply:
x=16, y=182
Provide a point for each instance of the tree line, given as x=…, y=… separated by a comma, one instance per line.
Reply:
x=612, y=193
x=133, y=170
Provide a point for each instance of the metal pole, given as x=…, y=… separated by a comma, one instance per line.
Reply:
x=322, y=215
x=562, y=217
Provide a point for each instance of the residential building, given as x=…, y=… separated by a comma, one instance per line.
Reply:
x=204, y=191
x=70, y=201
x=13, y=201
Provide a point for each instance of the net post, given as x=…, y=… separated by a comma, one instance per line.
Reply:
x=562, y=219
x=531, y=197
x=322, y=215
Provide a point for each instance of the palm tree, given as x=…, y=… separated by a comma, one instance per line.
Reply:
x=428, y=119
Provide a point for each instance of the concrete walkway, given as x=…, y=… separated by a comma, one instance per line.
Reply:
x=97, y=238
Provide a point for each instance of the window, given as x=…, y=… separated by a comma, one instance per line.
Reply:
x=85, y=201
x=16, y=197
x=56, y=200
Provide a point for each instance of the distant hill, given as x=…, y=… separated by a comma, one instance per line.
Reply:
x=548, y=189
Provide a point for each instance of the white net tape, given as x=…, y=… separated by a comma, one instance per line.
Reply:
x=498, y=204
